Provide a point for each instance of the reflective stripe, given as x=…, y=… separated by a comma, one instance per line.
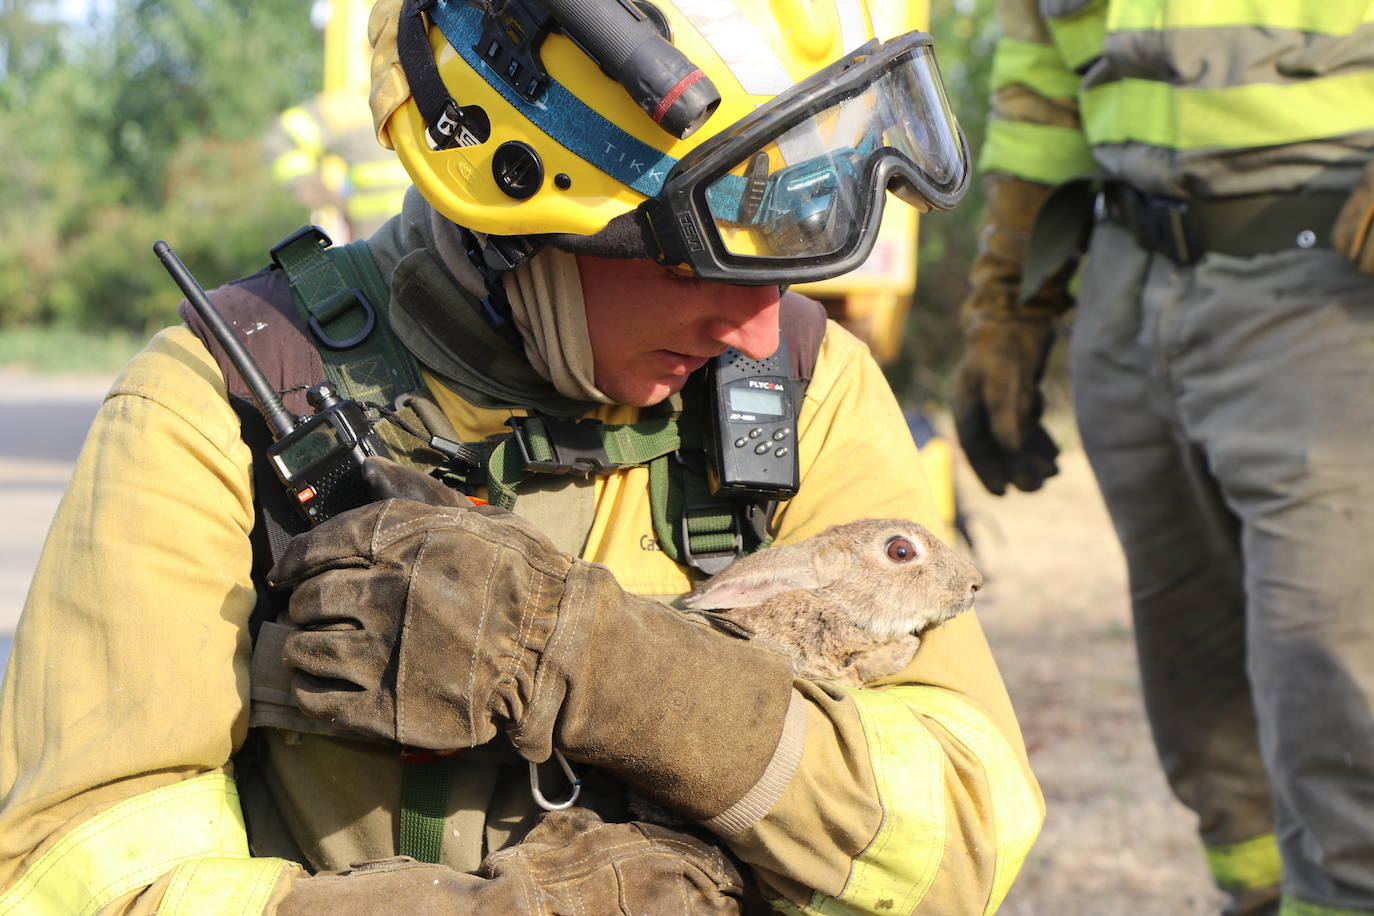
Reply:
x=1080, y=36
x=1258, y=114
x=292, y=164
x=1252, y=864
x=1035, y=152
x=1016, y=812
x=1329, y=17
x=222, y=887
x=301, y=128
x=895, y=872
x=375, y=203
x=379, y=173
x=1291, y=907
x=131, y=845
x=1036, y=66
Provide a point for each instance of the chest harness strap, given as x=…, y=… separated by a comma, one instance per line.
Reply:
x=343, y=299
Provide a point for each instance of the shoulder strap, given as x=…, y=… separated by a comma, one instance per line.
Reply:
x=260, y=308
x=343, y=299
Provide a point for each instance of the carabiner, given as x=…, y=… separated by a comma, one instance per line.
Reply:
x=573, y=781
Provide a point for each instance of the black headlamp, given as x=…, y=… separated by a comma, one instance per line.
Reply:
x=794, y=192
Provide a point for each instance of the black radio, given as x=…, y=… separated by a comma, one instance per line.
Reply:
x=754, y=428
x=319, y=459
x=320, y=462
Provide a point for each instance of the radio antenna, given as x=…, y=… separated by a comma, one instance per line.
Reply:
x=269, y=402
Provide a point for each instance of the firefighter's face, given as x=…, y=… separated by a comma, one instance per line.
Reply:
x=651, y=327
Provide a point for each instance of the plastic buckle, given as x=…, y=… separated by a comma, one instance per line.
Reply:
x=322, y=241
x=711, y=563
x=1165, y=228
x=576, y=446
x=511, y=37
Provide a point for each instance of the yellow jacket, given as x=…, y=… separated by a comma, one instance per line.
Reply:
x=128, y=690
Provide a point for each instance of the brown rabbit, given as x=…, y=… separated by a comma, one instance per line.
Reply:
x=848, y=604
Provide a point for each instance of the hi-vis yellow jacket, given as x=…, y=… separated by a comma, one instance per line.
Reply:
x=1185, y=99
x=128, y=689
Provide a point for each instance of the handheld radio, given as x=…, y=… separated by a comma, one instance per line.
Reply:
x=318, y=459
x=753, y=451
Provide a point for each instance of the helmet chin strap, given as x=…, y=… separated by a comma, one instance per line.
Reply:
x=494, y=256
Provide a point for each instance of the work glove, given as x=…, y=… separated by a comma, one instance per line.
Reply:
x=437, y=626
x=1353, y=233
x=994, y=391
x=387, y=479
x=570, y=864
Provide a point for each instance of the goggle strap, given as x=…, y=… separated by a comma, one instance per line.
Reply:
x=449, y=124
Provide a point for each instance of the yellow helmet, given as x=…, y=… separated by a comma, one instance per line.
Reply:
x=748, y=141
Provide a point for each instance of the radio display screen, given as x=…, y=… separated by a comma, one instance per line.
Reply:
x=311, y=447
x=755, y=401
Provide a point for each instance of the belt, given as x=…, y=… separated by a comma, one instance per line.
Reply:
x=1185, y=230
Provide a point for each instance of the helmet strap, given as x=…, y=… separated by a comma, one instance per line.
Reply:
x=449, y=123
x=494, y=256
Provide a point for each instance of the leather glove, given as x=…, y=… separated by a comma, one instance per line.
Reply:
x=997, y=405
x=1353, y=233
x=570, y=864
x=437, y=626
x=994, y=391
x=387, y=479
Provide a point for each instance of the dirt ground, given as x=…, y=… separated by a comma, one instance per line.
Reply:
x=1055, y=609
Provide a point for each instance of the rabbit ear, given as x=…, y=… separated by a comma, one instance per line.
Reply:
x=755, y=578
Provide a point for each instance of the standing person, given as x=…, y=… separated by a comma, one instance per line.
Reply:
x=325, y=149
x=1221, y=355
x=198, y=721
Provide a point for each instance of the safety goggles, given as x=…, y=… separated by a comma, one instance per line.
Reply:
x=794, y=192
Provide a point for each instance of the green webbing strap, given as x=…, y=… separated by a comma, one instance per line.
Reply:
x=693, y=526
x=343, y=299
x=553, y=445
x=424, y=802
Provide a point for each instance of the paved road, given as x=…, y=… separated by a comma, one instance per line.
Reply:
x=42, y=424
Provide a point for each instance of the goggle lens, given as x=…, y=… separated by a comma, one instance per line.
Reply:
x=807, y=193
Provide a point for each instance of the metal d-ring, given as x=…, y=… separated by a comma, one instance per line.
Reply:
x=573, y=781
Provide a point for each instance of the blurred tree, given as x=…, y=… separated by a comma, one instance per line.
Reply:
x=27, y=38
x=143, y=124
x=965, y=33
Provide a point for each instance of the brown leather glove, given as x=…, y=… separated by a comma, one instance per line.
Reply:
x=1353, y=234
x=571, y=864
x=994, y=391
x=436, y=626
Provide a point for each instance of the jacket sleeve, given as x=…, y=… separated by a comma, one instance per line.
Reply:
x=1034, y=132
x=127, y=691
x=913, y=795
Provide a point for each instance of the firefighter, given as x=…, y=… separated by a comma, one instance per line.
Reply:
x=324, y=149
x=196, y=720
x=1214, y=159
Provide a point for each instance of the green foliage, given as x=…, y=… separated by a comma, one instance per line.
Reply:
x=965, y=33
x=139, y=126
x=55, y=348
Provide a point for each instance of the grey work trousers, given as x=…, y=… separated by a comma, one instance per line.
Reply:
x=1227, y=409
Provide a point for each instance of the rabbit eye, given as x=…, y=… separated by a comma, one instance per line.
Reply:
x=900, y=550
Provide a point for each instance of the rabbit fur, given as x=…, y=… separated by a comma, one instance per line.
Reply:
x=848, y=604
